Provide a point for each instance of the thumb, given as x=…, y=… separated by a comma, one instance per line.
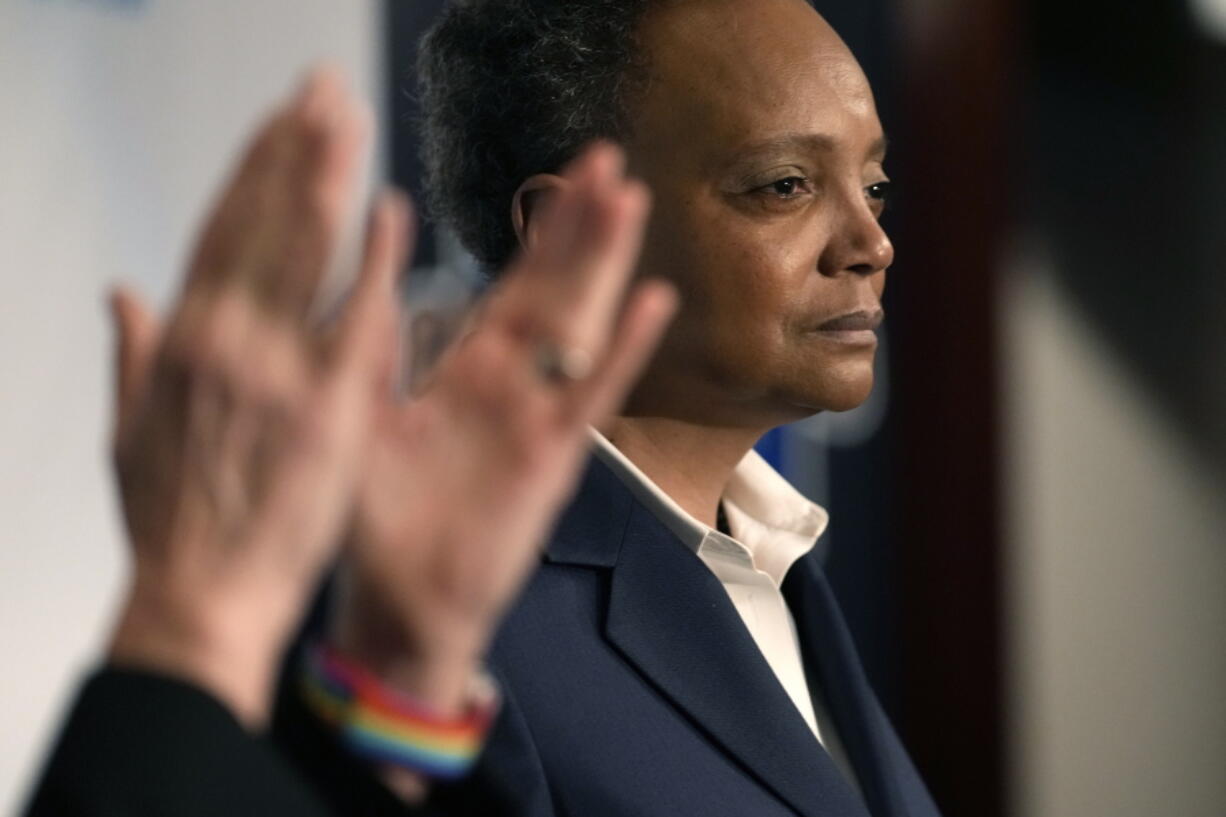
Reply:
x=136, y=332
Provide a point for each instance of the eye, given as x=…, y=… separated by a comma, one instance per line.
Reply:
x=879, y=192
x=783, y=195
x=788, y=188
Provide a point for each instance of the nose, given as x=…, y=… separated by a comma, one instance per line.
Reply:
x=858, y=244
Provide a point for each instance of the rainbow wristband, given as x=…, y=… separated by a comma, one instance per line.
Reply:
x=387, y=726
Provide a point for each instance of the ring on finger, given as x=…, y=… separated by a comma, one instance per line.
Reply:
x=560, y=364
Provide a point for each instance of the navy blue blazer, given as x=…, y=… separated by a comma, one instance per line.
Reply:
x=634, y=689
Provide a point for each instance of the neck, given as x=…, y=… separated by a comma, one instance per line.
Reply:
x=691, y=463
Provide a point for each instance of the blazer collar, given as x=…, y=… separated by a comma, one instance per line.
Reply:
x=672, y=620
x=773, y=523
x=830, y=656
x=591, y=528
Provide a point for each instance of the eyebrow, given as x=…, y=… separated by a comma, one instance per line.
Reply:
x=807, y=143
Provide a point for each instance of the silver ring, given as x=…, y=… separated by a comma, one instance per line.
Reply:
x=561, y=364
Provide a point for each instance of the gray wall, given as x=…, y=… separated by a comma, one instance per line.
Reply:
x=1117, y=564
x=119, y=118
x=1114, y=381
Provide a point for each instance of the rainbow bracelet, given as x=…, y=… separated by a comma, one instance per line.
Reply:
x=387, y=726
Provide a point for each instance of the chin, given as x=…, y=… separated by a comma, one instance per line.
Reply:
x=844, y=392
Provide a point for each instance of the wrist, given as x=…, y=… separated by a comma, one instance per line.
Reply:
x=429, y=656
x=222, y=652
x=439, y=682
x=437, y=673
x=406, y=736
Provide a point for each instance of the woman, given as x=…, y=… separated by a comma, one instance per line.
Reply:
x=679, y=651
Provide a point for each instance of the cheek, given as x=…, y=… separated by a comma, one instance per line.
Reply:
x=738, y=286
x=745, y=283
x=748, y=292
x=767, y=275
x=724, y=256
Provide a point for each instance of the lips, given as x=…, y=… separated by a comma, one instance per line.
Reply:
x=858, y=321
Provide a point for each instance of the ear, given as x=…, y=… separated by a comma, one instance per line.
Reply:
x=528, y=200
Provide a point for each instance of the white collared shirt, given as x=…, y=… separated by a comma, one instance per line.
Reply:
x=772, y=525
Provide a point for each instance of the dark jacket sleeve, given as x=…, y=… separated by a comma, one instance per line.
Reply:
x=499, y=785
x=141, y=744
x=351, y=786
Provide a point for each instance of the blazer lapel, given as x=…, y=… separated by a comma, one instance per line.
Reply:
x=829, y=653
x=670, y=617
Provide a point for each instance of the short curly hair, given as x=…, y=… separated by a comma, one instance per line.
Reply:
x=511, y=88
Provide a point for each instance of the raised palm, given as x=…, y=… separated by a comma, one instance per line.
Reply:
x=465, y=479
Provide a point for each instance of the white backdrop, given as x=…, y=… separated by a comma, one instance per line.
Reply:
x=118, y=119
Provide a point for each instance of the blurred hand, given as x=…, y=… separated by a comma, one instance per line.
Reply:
x=240, y=427
x=465, y=480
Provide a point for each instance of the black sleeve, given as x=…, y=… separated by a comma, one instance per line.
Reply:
x=140, y=744
x=351, y=787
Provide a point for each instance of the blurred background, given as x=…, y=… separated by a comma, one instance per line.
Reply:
x=1029, y=517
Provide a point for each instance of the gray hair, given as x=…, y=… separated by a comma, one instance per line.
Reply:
x=511, y=88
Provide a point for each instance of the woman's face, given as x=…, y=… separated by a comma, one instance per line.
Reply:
x=760, y=140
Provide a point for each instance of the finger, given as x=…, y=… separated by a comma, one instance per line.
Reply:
x=544, y=279
x=136, y=343
x=578, y=306
x=366, y=341
x=314, y=201
x=269, y=139
x=605, y=259
x=567, y=226
x=276, y=226
x=237, y=215
x=651, y=308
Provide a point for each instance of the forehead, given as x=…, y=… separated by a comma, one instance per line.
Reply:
x=727, y=72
